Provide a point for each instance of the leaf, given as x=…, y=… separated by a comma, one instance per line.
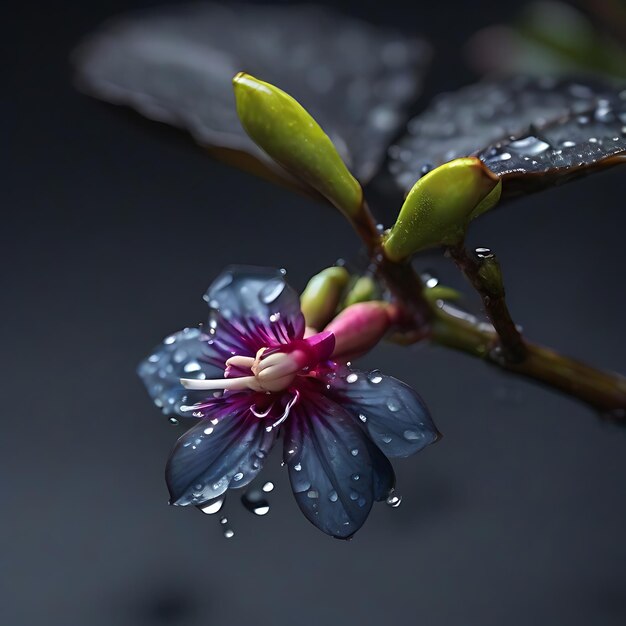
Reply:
x=532, y=132
x=176, y=66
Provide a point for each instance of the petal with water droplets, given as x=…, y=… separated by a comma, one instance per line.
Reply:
x=334, y=487
x=213, y=456
x=185, y=354
x=251, y=308
x=394, y=415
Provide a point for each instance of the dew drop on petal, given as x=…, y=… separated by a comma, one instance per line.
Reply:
x=386, y=438
x=374, y=377
x=412, y=435
x=238, y=476
x=354, y=451
x=271, y=291
x=393, y=405
x=362, y=417
x=352, y=378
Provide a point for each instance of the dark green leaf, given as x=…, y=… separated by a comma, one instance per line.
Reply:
x=532, y=132
x=176, y=66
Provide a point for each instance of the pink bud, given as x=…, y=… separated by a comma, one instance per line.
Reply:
x=360, y=327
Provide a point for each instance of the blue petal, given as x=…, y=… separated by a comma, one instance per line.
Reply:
x=253, y=304
x=336, y=473
x=185, y=354
x=395, y=416
x=216, y=455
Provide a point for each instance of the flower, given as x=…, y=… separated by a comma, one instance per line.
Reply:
x=253, y=374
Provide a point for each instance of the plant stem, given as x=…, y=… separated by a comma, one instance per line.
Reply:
x=500, y=343
x=603, y=391
x=483, y=272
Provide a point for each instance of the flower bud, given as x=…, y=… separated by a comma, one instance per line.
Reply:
x=279, y=125
x=440, y=206
x=362, y=291
x=322, y=294
x=360, y=327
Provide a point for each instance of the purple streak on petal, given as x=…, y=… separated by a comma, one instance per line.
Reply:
x=215, y=455
x=186, y=354
x=394, y=415
x=333, y=474
x=252, y=308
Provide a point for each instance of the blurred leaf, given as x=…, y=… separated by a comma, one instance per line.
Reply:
x=532, y=132
x=176, y=65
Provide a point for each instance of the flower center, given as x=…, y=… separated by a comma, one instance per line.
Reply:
x=271, y=369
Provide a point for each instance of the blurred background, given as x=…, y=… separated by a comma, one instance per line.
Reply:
x=112, y=229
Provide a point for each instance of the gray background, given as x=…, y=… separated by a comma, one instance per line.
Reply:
x=112, y=229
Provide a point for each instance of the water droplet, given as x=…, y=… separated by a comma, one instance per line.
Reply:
x=568, y=144
x=208, y=430
x=352, y=378
x=274, y=317
x=393, y=405
x=229, y=533
x=583, y=119
x=483, y=253
x=268, y=486
x=313, y=494
x=354, y=451
x=354, y=495
x=530, y=145
x=272, y=290
x=223, y=520
x=504, y=156
x=254, y=502
x=211, y=507
x=374, y=377
x=173, y=421
x=355, y=477
x=362, y=417
x=332, y=496
x=394, y=501
x=297, y=467
x=238, y=476
x=412, y=435
x=386, y=439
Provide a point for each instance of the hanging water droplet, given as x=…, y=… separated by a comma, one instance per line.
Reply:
x=223, y=520
x=173, y=421
x=211, y=507
x=268, y=486
x=229, y=533
x=254, y=502
x=374, y=377
x=394, y=501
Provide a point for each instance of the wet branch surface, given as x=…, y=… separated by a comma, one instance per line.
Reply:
x=498, y=343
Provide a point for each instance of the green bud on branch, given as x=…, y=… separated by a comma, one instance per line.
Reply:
x=440, y=206
x=321, y=296
x=279, y=125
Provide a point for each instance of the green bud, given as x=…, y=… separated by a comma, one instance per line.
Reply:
x=286, y=131
x=321, y=296
x=363, y=290
x=441, y=292
x=439, y=207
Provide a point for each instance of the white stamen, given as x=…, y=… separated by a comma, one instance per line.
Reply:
x=244, y=382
